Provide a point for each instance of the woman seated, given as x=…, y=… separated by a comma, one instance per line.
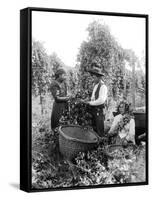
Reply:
x=122, y=130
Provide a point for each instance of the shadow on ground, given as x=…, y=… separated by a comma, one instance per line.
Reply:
x=14, y=185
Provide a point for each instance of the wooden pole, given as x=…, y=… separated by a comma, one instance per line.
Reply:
x=124, y=78
x=133, y=85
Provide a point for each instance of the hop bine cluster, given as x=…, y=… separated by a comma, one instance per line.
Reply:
x=77, y=112
x=125, y=120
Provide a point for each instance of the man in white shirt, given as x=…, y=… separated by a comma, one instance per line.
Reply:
x=98, y=98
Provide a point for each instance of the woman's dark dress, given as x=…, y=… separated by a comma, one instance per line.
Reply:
x=58, y=90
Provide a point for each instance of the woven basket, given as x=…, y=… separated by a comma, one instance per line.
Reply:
x=110, y=149
x=74, y=139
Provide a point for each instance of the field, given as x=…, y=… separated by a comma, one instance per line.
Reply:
x=51, y=170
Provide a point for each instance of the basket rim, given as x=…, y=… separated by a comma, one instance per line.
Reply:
x=117, y=145
x=75, y=139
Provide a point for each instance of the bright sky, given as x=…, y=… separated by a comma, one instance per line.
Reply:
x=63, y=33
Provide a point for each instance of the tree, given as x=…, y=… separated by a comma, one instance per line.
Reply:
x=55, y=63
x=132, y=59
x=40, y=72
x=102, y=49
x=72, y=79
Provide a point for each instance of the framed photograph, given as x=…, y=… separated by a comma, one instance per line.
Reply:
x=83, y=99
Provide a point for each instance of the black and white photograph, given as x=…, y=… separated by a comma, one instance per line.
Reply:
x=88, y=100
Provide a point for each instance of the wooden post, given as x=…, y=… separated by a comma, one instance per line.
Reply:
x=124, y=80
x=133, y=85
x=42, y=103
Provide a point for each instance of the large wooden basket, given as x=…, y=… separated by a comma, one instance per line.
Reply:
x=74, y=139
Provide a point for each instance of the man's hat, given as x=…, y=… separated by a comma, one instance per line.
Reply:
x=96, y=71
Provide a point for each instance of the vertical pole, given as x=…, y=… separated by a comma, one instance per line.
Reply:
x=41, y=104
x=133, y=85
x=124, y=80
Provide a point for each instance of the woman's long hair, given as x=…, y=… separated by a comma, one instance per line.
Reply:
x=127, y=116
x=128, y=109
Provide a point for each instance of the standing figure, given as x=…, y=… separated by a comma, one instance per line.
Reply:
x=98, y=98
x=58, y=89
x=122, y=130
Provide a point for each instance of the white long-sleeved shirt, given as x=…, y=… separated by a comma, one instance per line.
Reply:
x=102, y=95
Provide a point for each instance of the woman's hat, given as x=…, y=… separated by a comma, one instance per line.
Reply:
x=60, y=71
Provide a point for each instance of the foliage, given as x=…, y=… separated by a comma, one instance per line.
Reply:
x=102, y=49
x=48, y=167
x=122, y=123
x=55, y=63
x=51, y=170
x=73, y=81
x=77, y=113
x=43, y=70
x=97, y=167
x=40, y=72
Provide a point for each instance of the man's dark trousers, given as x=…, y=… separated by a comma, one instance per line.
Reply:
x=98, y=121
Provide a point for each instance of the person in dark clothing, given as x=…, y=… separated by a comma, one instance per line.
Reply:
x=98, y=98
x=58, y=89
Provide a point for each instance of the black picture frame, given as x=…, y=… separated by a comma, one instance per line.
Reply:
x=26, y=97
